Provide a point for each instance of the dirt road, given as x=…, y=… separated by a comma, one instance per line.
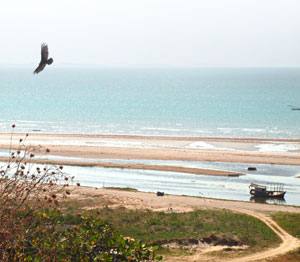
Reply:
x=289, y=243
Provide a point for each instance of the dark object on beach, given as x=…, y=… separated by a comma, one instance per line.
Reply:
x=252, y=168
x=158, y=193
x=273, y=191
x=44, y=59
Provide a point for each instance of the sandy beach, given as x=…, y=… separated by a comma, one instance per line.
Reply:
x=242, y=150
x=142, y=200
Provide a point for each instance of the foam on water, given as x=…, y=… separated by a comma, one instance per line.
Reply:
x=201, y=145
x=204, y=145
x=277, y=147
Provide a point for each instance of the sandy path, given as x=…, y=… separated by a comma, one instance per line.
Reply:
x=288, y=244
x=141, y=200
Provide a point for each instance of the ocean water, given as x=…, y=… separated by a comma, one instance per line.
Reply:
x=248, y=102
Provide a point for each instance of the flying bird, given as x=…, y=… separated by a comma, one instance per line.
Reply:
x=44, y=59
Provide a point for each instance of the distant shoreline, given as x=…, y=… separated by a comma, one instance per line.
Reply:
x=153, y=137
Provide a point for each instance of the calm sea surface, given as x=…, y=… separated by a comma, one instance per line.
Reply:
x=203, y=102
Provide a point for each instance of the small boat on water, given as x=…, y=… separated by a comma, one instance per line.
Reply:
x=271, y=191
x=294, y=108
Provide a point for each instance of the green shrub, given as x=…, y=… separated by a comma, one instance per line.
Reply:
x=53, y=236
x=289, y=221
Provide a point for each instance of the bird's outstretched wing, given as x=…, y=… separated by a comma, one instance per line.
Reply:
x=44, y=53
x=40, y=68
x=44, y=58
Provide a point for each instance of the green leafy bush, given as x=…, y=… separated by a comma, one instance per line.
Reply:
x=53, y=236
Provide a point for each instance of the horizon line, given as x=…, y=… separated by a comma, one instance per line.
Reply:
x=153, y=66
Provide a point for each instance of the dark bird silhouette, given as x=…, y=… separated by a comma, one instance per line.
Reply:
x=44, y=59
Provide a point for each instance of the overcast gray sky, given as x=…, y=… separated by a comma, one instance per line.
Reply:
x=152, y=32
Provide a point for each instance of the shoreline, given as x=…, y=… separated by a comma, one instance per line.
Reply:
x=154, y=137
x=178, y=203
x=160, y=148
x=134, y=190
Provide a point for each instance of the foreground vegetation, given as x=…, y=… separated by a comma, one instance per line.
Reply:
x=33, y=228
x=131, y=235
x=160, y=227
x=54, y=236
x=135, y=235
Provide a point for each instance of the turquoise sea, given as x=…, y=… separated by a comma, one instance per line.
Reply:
x=244, y=102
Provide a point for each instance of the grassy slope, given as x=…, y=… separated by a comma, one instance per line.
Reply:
x=289, y=221
x=154, y=226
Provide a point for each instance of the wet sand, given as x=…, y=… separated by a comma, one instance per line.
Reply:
x=242, y=150
x=188, y=170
